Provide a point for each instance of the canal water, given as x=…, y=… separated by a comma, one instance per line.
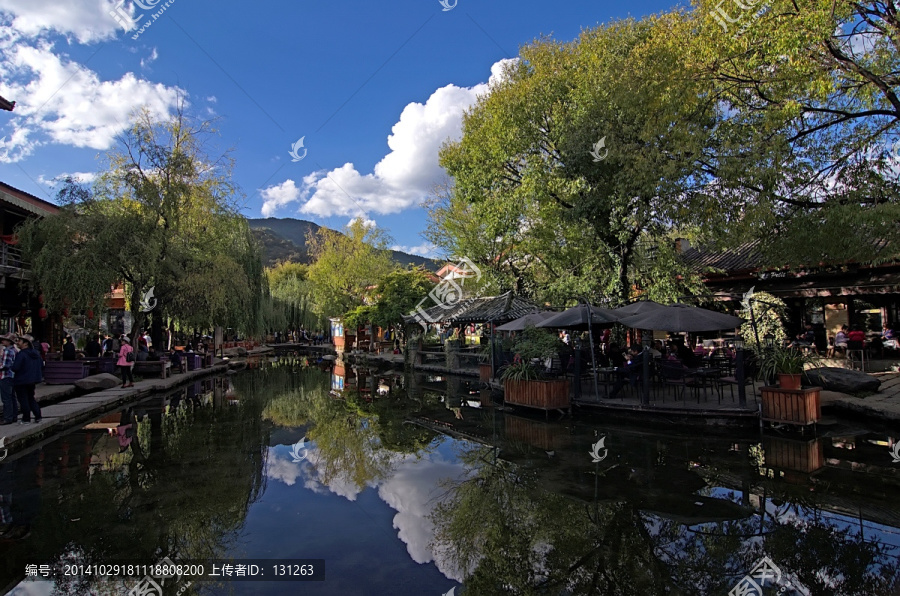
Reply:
x=419, y=485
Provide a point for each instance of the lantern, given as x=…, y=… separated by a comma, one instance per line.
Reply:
x=42, y=313
x=65, y=312
x=40, y=298
x=90, y=314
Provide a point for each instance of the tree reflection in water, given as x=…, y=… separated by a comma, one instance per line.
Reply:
x=512, y=536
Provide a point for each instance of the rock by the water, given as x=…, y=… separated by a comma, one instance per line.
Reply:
x=98, y=382
x=842, y=379
x=241, y=351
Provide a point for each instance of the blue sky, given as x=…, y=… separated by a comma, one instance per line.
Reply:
x=373, y=88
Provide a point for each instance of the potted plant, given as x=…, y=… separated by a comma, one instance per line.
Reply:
x=522, y=382
x=785, y=364
x=789, y=403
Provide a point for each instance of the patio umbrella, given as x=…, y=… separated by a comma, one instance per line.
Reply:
x=577, y=317
x=682, y=317
x=637, y=308
x=529, y=319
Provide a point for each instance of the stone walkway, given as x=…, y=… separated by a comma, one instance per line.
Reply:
x=884, y=405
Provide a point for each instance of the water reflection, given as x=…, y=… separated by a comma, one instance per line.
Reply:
x=419, y=483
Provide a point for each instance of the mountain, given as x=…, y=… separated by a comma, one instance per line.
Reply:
x=285, y=240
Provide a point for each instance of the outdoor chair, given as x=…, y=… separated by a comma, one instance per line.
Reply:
x=856, y=352
x=675, y=377
x=751, y=370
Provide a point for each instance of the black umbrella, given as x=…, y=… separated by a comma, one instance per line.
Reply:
x=682, y=317
x=577, y=317
x=529, y=319
x=637, y=308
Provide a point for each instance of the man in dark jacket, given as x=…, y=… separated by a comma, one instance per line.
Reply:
x=29, y=371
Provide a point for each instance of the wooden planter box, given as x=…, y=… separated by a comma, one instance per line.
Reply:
x=542, y=435
x=65, y=372
x=543, y=395
x=791, y=406
x=193, y=361
x=484, y=373
x=799, y=456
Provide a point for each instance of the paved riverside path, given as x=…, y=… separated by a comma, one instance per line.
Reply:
x=62, y=415
x=883, y=405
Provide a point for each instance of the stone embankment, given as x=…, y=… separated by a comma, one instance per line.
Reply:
x=63, y=406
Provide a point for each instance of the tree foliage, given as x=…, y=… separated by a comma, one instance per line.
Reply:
x=162, y=216
x=584, y=151
x=805, y=156
x=347, y=266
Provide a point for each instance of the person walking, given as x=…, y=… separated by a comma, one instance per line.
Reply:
x=7, y=394
x=28, y=369
x=126, y=362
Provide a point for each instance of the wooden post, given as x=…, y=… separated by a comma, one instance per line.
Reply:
x=739, y=376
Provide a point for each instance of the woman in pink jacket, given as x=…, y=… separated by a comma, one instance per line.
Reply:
x=125, y=364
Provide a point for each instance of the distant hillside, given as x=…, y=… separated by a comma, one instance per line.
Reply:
x=285, y=239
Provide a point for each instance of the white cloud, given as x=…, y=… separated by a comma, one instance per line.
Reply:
x=85, y=20
x=278, y=196
x=426, y=249
x=282, y=469
x=64, y=102
x=212, y=99
x=83, y=177
x=406, y=174
x=145, y=62
x=412, y=491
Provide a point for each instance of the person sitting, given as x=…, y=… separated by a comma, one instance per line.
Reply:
x=685, y=354
x=631, y=372
x=840, y=340
x=806, y=338
x=176, y=360
x=856, y=339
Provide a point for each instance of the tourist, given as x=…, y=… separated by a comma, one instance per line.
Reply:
x=68, y=349
x=7, y=395
x=840, y=341
x=175, y=359
x=143, y=353
x=28, y=372
x=656, y=349
x=807, y=337
x=630, y=373
x=126, y=363
x=92, y=347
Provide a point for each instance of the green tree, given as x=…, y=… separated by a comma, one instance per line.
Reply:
x=806, y=138
x=584, y=151
x=291, y=292
x=347, y=266
x=162, y=216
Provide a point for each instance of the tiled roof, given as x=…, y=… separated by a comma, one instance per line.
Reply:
x=497, y=309
x=745, y=257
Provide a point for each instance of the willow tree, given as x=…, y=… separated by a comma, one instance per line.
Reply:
x=807, y=144
x=161, y=217
x=589, y=149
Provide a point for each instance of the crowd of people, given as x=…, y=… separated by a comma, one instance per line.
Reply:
x=21, y=369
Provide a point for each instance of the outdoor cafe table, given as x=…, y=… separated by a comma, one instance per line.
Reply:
x=706, y=378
